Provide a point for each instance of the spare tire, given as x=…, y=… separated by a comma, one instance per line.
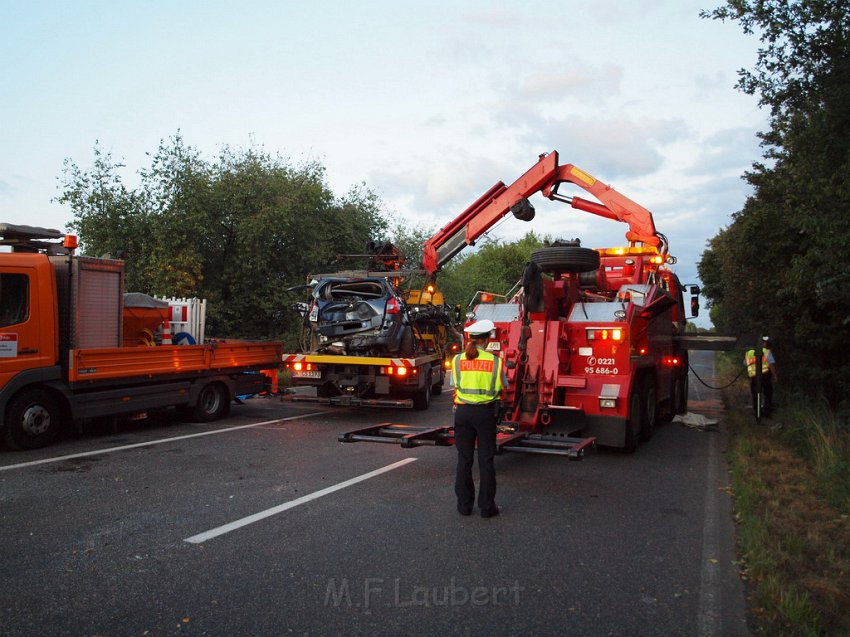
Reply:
x=566, y=259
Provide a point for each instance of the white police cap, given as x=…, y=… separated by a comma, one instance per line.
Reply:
x=480, y=328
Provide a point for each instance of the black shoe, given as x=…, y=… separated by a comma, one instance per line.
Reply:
x=492, y=512
x=464, y=510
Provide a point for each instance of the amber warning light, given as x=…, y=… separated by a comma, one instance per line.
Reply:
x=613, y=334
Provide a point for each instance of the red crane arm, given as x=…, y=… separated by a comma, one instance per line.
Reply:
x=545, y=176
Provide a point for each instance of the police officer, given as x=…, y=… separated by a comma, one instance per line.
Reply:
x=768, y=375
x=478, y=377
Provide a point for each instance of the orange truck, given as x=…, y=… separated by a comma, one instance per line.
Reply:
x=68, y=354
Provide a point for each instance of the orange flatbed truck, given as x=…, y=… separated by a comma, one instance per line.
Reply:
x=63, y=357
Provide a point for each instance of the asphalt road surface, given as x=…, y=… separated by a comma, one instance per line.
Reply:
x=264, y=524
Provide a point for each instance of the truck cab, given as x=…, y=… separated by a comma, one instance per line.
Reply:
x=28, y=320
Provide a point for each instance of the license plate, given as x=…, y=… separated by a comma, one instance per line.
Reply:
x=494, y=346
x=307, y=374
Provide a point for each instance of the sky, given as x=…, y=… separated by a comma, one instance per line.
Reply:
x=426, y=103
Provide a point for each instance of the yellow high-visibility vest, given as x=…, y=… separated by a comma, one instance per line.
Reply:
x=751, y=362
x=477, y=381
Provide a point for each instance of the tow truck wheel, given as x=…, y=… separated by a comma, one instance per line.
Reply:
x=422, y=398
x=34, y=420
x=648, y=412
x=633, y=423
x=212, y=403
x=680, y=402
x=566, y=259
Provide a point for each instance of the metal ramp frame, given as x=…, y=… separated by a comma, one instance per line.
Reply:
x=409, y=436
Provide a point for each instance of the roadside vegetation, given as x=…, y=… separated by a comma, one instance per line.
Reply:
x=790, y=480
x=776, y=269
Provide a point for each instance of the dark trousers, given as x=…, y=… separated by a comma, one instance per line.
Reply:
x=767, y=388
x=476, y=422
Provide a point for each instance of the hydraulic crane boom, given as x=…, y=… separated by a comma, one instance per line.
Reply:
x=545, y=176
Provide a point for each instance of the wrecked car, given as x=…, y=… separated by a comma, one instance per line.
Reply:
x=358, y=316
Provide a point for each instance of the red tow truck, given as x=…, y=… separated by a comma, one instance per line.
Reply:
x=592, y=342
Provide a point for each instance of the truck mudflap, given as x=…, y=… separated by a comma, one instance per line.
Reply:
x=517, y=442
x=354, y=401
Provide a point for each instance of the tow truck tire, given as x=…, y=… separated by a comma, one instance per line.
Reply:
x=633, y=423
x=566, y=259
x=649, y=413
x=212, y=403
x=33, y=420
x=680, y=394
x=422, y=398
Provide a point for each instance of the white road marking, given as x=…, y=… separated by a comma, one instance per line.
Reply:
x=256, y=517
x=97, y=452
x=709, y=617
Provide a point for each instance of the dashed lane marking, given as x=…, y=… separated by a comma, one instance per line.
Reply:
x=262, y=515
x=97, y=452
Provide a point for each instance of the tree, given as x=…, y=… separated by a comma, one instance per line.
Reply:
x=238, y=231
x=109, y=219
x=495, y=267
x=779, y=265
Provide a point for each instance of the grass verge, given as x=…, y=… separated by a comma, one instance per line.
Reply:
x=791, y=484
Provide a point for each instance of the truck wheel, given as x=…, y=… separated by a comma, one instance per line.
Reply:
x=422, y=398
x=566, y=259
x=407, y=345
x=633, y=423
x=648, y=412
x=34, y=420
x=212, y=403
x=680, y=395
x=438, y=387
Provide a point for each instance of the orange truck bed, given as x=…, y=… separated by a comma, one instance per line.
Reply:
x=147, y=362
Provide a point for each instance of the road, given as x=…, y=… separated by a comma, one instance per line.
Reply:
x=263, y=524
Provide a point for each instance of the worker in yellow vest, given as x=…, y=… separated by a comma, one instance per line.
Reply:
x=768, y=375
x=478, y=377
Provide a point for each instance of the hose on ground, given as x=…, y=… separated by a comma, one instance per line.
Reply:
x=734, y=380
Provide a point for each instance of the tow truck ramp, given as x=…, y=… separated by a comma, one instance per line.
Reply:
x=517, y=442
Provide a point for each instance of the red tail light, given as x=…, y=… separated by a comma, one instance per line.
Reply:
x=397, y=371
x=393, y=306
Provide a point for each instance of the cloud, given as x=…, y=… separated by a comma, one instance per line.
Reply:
x=728, y=151
x=497, y=18
x=577, y=82
x=442, y=187
x=615, y=147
